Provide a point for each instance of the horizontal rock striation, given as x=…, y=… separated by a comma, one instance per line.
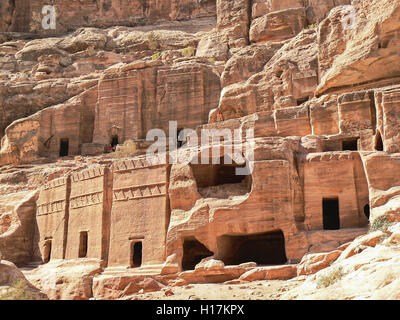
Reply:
x=308, y=91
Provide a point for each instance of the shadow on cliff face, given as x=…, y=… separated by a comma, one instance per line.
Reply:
x=221, y=180
x=264, y=248
x=193, y=252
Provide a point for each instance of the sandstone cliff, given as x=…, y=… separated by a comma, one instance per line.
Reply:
x=307, y=90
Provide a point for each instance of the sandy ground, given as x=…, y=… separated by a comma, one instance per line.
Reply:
x=257, y=290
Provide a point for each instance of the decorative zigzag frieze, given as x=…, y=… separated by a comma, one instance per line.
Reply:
x=51, y=207
x=133, y=164
x=139, y=192
x=55, y=183
x=87, y=174
x=332, y=156
x=86, y=200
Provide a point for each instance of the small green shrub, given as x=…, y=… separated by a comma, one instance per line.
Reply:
x=156, y=56
x=211, y=60
x=313, y=26
x=380, y=223
x=17, y=291
x=330, y=278
x=188, y=52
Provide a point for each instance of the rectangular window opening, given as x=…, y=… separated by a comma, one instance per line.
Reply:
x=350, y=145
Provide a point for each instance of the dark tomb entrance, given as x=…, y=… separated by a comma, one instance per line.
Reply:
x=193, y=252
x=136, y=254
x=83, y=244
x=350, y=145
x=47, y=251
x=263, y=248
x=179, y=140
x=64, y=147
x=330, y=209
x=114, y=141
x=378, y=142
x=366, y=210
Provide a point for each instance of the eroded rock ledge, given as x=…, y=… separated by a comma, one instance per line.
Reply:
x=320, y=95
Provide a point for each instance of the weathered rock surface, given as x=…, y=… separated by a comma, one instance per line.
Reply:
x=312, y=263
x=65, y=280
x=308, y=91
x=359, y=46
x=233, y=18
x=270, y=273
x=279, y=25
x=17, y=237
x=121, y=284
x=26, y=16
x=248, y=61
x=286, y=79
x=370, y=273
x=13, y=284
x=41, y=73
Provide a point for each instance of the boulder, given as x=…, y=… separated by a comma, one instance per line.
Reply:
x=283, y=272
x=278, y=25
x=312, y=263
x=66, y=279
x=14, y=285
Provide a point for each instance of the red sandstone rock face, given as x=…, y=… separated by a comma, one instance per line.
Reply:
x=26, y=140
x=269, y=273
x=362, y=53
x=233, y=18
x=248, y=61
x=278, y=25
x=53, y=70
x=160, y=95
x=286, y=78
x=25, y=16
x=65, y=280
x=118, y=287
x=313, y=263
x=383, y=190
x=17, y=240
x=320, y=97
x=360, y=272
x=6, y=12
x=14, y=285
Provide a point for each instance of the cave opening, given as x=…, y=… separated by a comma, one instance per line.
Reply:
x=179, y=137
x=83, y=244
x=367, y=210
x=378, y=142
x=136, y=254
x=47, y=251
x=193, y=252
x=209, y=178
x=262, y=248
x=300, y=101
x=114, y=141
x=330, y=209
x=64, y=147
